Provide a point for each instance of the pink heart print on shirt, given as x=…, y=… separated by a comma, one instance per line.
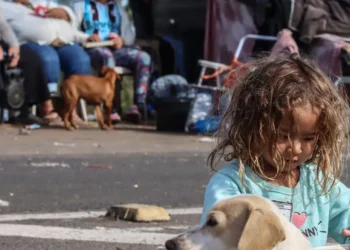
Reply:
x=299, y=219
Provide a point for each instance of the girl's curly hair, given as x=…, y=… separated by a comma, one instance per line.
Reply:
x=267, y=89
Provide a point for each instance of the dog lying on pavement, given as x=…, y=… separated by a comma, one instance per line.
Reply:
x=94, y=90
x=244, y=222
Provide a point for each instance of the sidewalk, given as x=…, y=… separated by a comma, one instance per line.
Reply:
x=87, y=140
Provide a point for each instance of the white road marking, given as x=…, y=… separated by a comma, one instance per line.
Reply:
x=49, y=164
x=51, y=216
x=82, y=215
x=158, y=229
x=106, y=235
x=184, y=211
x=4, y=203
x=206, y=139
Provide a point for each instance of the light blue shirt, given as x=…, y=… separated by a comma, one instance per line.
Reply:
x=317, y=216
x=103, y=24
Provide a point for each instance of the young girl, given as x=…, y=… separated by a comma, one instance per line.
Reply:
x=284, y=134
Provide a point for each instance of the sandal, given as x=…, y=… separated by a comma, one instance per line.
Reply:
x=77, y=119
x=115, y=117
x=53, y=117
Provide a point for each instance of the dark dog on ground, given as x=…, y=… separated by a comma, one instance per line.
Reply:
x=94, y=90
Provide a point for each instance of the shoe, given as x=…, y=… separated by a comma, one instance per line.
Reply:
x=115, y=117
x=133, y=115
x=53, y=117
x=29, y=119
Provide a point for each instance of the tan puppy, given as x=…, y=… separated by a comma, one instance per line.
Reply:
x=244, y=222
x=94, y=90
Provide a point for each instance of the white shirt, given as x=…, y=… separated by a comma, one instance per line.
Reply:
x=29, y=27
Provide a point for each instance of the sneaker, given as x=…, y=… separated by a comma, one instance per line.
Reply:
x=29, y=119
x=115, y=117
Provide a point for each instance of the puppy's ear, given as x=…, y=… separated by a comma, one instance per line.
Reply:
x=263, y=231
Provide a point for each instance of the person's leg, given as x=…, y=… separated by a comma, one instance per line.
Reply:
x=35, y=85
x=49, y=58
x=74, y=60
x=140, y=62
x=50, y=68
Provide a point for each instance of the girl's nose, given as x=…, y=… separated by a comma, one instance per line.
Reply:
x=296, y=147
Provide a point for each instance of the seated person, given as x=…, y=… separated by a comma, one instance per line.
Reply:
x=54, y=37
x=35, y=84
x=103, y=20
x=298, y=24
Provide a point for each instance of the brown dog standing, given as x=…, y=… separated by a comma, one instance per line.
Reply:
x=94, y=90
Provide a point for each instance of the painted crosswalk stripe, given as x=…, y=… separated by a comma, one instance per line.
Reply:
x=82, y=215
x=97, y=235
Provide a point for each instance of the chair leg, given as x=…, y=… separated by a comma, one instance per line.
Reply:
x=200, y=80
x=1, y=115
x=34, y=109
x=83, y=109
x=117, y=103
x=145, y=113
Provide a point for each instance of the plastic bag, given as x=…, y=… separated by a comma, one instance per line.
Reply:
x=201, y=118
x=202, y=108
x=169, y=86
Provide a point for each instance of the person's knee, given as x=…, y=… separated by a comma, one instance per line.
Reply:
x=46, y=53
x=49, y=59
x=74, y=60
x=100, y=57
x=51, y=64
x=145, y=58
x=83, y=64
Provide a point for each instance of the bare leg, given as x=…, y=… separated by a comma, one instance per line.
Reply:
x=46, y=107
x=47, y=111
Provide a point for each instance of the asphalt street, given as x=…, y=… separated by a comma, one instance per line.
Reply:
x=56, y=187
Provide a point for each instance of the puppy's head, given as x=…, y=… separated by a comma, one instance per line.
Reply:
x=242, y=223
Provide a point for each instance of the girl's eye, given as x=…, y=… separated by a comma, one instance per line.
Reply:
x=310, y=138
x=283, y=136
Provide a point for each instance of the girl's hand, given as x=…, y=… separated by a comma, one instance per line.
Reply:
x=285, y=43
x=14, y=54
x=346, y=232
x=94, y=38
x=117, y=40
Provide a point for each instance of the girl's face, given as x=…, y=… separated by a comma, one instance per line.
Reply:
x=297, y=137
